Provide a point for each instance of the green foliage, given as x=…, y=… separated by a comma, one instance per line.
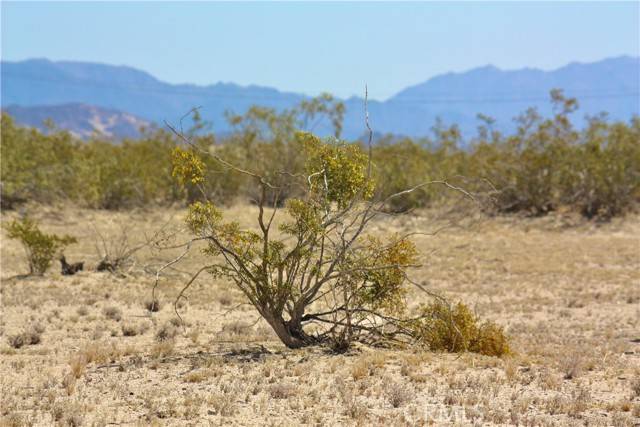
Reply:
x=603, y=175
x=399, y=166
x=337, y=171
x=282, y=276
x=455, y=328
x=40, y=247
x=34, y=166
x=96, y=173
x=382, y=266
x=545, y=165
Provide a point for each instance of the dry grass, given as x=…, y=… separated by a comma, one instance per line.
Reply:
x=92, y=349
x=28, y=337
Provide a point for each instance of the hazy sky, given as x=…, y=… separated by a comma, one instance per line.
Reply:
x=314, y=47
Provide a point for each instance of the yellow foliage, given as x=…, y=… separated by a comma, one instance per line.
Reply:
x=455, y=329
x=187, y=166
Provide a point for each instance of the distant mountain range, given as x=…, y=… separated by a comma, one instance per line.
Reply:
x=116, y=99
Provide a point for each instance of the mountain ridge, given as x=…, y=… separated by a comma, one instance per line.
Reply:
x=81, y=120
x=611, y=85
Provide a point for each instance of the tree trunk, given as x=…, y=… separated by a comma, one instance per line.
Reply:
x=291, y=335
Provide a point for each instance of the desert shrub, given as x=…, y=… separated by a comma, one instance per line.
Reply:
x=443, y=327
x=116, y=250
x=403, y=164
x=603, y=178
x=34, y=166
x=398, y=394
x=53, y=165
x=542, y=166
x=28, y=337
x=399, y=166
x=133, y=329
x=282, y=390
x=547, y=164
x=323, y=253
x=166, y=332
x=152, y=305
x=113, y=313
x=527, y=167
x=40, y=247
x=133, y=173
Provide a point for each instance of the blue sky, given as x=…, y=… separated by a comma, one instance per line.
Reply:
x=313, y=47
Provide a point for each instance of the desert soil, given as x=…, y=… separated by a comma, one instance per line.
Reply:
x=567, y=292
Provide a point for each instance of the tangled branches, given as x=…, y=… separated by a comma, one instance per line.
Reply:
x=318, y=277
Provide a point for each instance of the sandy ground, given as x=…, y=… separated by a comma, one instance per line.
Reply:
x=567, y=292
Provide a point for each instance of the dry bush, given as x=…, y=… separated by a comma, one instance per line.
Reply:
x=356, y=410
x=113, y=313
x=455, y=328
x=237, y=328
x=28, y=337
x=223, y=403
x=116, y=252
x=198, y=376
x=132, y=329
x=398, y=394
x=163, y=349
x=152, y=305
x=360, y=369
x=571, y=364
x=68, y=413
x=166, y=332
x=69, y=383
x=282, y=390
x=78, y=365
x=100, y=352
x=580, y=400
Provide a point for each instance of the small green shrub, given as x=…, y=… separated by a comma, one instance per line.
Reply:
x=456, y=329
x=40, y=247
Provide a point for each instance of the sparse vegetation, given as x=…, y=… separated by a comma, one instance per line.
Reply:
x=113, y=313
x=41, y=248
x=166, y=332
x=131, y=329
x=229, y=367
x=547, y=164
x=510, y=271
x=398, y=394
x=27, y=337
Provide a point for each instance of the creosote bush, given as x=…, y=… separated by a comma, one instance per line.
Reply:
x=41, y=248
x=546, y=164
x=320, y=267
